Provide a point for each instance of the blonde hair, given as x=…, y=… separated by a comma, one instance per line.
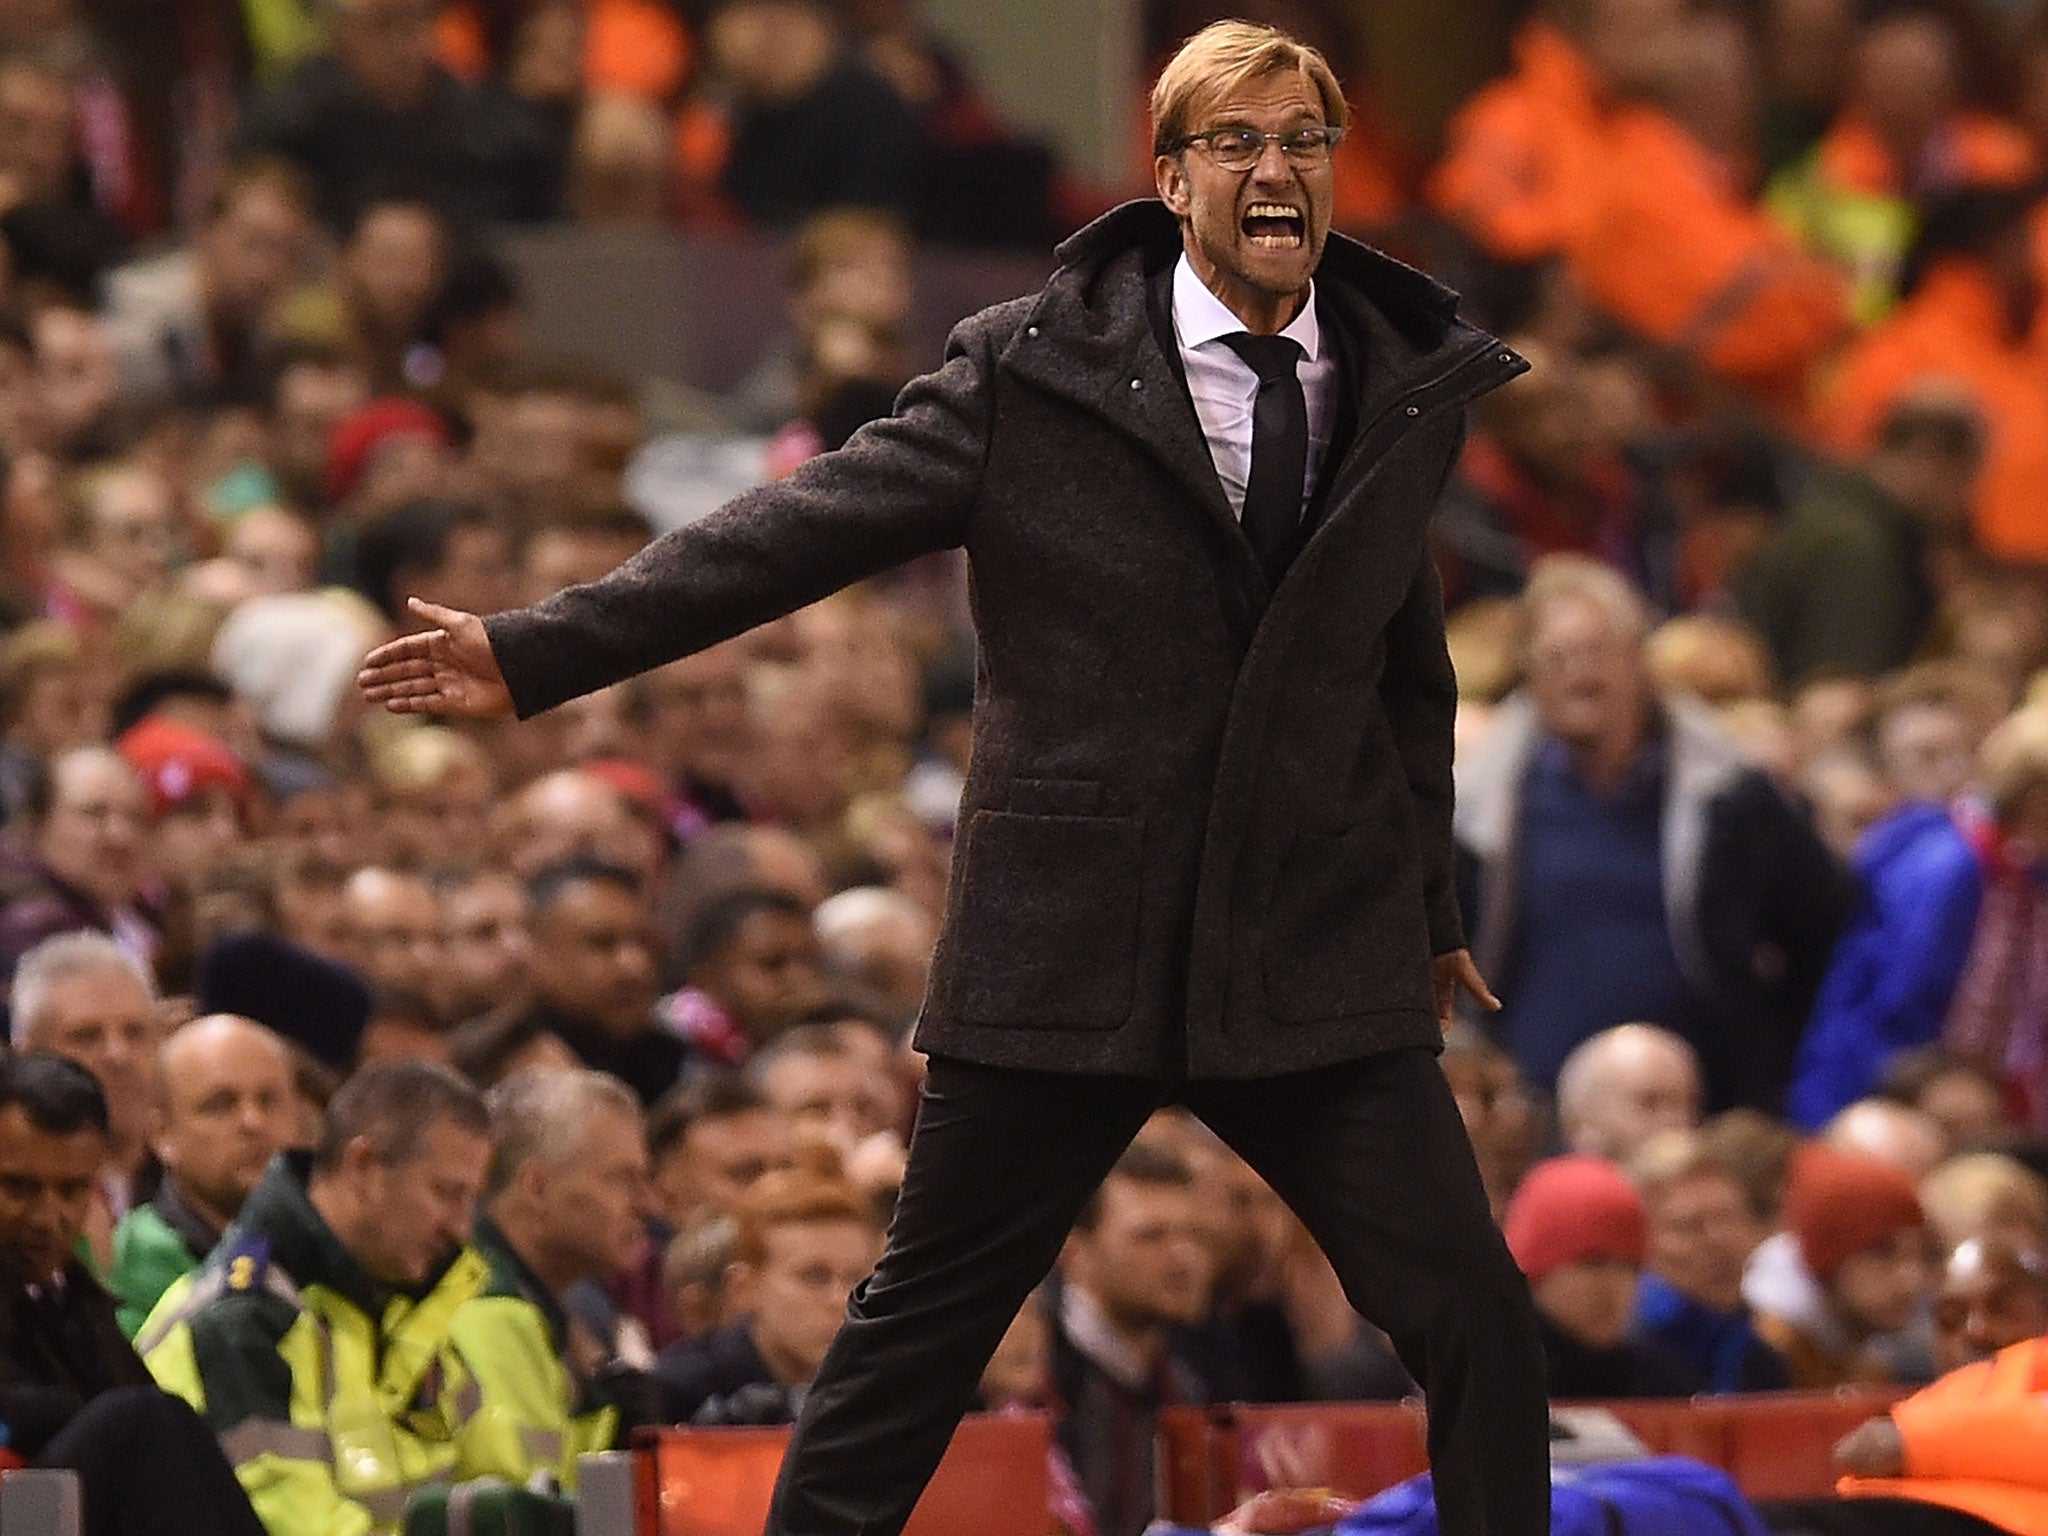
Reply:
x=1580, y=578
x=423, y=759
x=1980, y=1194
x=1224, y=56
x=2014, y=760
x=1717, y=660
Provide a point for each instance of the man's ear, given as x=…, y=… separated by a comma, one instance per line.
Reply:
x=1170, y=175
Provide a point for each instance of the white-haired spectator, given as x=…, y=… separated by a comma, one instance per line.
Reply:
x=82, y=996
x=881, y=939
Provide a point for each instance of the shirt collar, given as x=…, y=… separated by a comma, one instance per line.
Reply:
x=1200, y=317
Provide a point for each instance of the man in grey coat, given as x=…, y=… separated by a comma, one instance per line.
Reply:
x=1205, y=850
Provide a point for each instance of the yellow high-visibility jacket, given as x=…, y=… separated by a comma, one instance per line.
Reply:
x=334, y=1397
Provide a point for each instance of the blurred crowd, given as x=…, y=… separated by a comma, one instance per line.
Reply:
x=587, y=1036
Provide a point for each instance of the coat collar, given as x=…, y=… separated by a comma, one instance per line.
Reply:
x=1091, y=339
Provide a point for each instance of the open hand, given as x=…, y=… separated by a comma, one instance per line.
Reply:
x=1872, y=1449
x=1453, y=972
x=448, y=670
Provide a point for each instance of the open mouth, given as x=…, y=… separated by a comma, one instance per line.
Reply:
x=1274, y=226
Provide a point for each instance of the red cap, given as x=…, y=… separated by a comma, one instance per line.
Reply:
x=1573, y=1208
x=639, y=784
x=1840, y=1203
x=177, y=760
x=358, y=436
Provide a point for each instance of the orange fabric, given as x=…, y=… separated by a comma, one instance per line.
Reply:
x=699, y=150
x=1952, y=329
x=1971, y=150
x=1522, y=155
x=1671, y=251
x=1977, y=1441
x=1367, y=193
x=630, y=48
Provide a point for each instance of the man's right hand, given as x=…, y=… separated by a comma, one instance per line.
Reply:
x=446, y=670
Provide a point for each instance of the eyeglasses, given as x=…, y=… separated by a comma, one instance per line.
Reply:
x=1239, y=149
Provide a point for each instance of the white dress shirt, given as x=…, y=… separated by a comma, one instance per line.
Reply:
x=1225, y=388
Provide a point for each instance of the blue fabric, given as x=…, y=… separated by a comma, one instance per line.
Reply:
x=1663, y=1496
x=1723, y=1346
x=1592, y=939
x=1898, y=962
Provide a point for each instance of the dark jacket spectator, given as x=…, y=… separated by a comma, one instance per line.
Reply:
x=1843, y=586
x=1606, y=835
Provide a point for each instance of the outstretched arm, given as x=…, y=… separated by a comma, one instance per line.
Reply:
x=901, y=487
x=447, y=670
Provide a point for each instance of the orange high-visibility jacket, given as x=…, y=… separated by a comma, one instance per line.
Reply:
x=1952, y=329
x=1973, y=149
x=630, y=48
x=1977, y=1441
x=1672, y=251
x=1521, y=163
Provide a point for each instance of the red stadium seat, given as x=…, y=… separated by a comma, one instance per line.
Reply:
x=717, y=1482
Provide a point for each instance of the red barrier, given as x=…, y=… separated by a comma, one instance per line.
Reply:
x=1775, y=1446
x=717, y=1482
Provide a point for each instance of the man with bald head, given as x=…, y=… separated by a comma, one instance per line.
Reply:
x=569, y=815
x=1623, y=1086
x=227, y=1109
x=1909, y=1139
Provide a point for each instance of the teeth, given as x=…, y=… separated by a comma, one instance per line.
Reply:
x=1272, y=211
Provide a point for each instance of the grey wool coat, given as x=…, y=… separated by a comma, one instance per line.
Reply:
x=1207, y=830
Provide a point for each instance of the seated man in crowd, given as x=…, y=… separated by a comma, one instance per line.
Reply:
x=228, y=1108
x=1838, y=1291
x=1577, y=1228
x=711, y=1138
x=592, y=965
x=334, y=1399
x=1136, y=1267
x=567, y=1200
x=806, y=1238
x=83, y=996
x=72, y=1393
x=1623, y=1086
x=1701, y=1233
x=1993, y=1295
x=1967, y=1456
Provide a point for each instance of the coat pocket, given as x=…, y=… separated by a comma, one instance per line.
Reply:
x=1346, y=932
x=1045, y=922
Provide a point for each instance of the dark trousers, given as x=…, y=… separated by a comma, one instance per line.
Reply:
x=1870, y=1517
x=148, y=1466
x=1372, y=1156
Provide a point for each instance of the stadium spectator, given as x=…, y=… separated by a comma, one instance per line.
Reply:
x=566, y=1201
x=1135, y=1268
x=712, y=1137
x=1986, y=1196
x=193, y=325
x=1947, y=901
x=1993, y=1295
x=1892, y=1133
x=1963, y=1098
x=317, y=1256
x=72, y=1393
x=1501, y=1116
x=81, y=996
x=880, y=940
x=1837, y=1291
x=1576, y=1226
x=393, y=921
x=806, y=1237
x=749, y=963
x=374, y=111
x=593, y=975
x=1624, y=1086
x=1606, y=833
x=1846, y=585
x=808, y=126
x=486, y=949
x=1701, y=1231
x=228, y=1108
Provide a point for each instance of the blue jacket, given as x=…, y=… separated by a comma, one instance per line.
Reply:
x=1898, y=963
x=1722, y=1346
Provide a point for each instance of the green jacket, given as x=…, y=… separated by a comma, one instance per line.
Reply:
x=155, y=1246
x=335, y=1398
x=539, y=1412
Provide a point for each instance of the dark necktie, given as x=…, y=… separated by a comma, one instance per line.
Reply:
x=1272, y=493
